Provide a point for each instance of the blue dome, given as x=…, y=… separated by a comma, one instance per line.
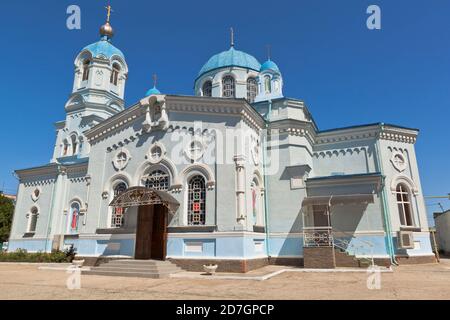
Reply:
x=231, y=58
x=269, y=65
x=152, y=91
x=104, y=48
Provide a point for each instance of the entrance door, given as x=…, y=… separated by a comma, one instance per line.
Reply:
x=151, y=232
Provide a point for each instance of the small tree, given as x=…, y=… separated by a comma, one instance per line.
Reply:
x=6, y=215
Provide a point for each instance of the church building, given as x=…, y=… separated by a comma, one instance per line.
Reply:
x=237, y=175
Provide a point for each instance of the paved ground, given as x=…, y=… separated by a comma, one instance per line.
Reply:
x=429, y=281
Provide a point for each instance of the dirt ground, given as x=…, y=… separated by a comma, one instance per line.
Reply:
x=430, y=281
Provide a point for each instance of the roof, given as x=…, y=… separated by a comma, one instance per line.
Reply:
x=137, y=196
x=367, y=125
x=152, y=91
x=104, y=49
x=231, y=58
x=269, y=65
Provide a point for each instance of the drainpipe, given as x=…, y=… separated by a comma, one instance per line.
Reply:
x=386, y=214
x=266, y=198
x=52, y=207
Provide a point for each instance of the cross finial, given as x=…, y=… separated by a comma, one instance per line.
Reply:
x=232, y=37
x=268, y=51
x=155, y=79
x=109, y=10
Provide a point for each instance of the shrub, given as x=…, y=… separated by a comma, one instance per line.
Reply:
x=21, y=255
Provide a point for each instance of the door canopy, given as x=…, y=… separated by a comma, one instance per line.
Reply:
x=141, y=196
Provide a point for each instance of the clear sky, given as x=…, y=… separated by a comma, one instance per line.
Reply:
x=346, y=74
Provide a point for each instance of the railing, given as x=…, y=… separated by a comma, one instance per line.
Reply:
x=323, y=237
x=355, y=246
x=317, y=237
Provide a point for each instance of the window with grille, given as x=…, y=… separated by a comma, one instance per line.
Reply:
x=197, y=201
x=158, y=180
x=252, y=89
x=228, y=87
x=115, y=74
x=404, y=205
x=117, y=217
x=207, y=89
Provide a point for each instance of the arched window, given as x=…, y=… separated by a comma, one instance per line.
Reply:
x=404, y=205
x=65, y=147
x=158, y=180
x=115, y=74
x=207, y=89
x=267, y=84
x=32, y=220
x=74, y=140
x=196, y=201
x=86, y=64
x=74, y=216
x=117, y=216
x=252, y=89
x=228, y=87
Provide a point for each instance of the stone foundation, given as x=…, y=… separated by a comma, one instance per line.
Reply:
x=402, y=260
x=225, y=265
x=319, y=258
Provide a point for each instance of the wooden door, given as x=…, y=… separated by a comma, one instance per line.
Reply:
x=144, y=232
x=159, y=234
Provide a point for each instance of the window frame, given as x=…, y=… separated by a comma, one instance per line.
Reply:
x=404, y=205
x=32, y=220
x=164, y=184
x=228, y=89
x=192, y=214
x=115, y=211
x=115, y=72
x=86, y=70
x=252, y=89
x=207, y=87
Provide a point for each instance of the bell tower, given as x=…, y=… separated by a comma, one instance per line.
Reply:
x=98, y=93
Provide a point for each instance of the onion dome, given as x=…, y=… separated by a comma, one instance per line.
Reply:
x=231, y=58
x=152, y=91
x=269, y=65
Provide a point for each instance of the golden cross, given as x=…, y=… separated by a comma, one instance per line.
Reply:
x=109, y=10
x=268, y=51
x=155, y=79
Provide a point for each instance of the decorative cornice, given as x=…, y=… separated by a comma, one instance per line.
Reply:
x=183, y=104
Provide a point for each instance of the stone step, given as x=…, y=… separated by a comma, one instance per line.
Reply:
x=140, y=262
x=148, y=264
x=137, y=274
x=136, y=268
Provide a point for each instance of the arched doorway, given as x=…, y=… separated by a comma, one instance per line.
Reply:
x=154, y=208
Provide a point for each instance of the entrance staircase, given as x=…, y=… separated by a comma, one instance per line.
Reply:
x=344, y=259
x=135, y=268
x=345, y=251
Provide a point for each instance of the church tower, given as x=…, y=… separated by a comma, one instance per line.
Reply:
x=98, y=93
x=270, y=82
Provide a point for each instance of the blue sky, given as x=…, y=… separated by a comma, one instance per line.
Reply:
x=345, y=73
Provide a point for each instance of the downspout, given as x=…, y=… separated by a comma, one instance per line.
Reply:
x=386, y=214
x=52, y=208
x=266, y=198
